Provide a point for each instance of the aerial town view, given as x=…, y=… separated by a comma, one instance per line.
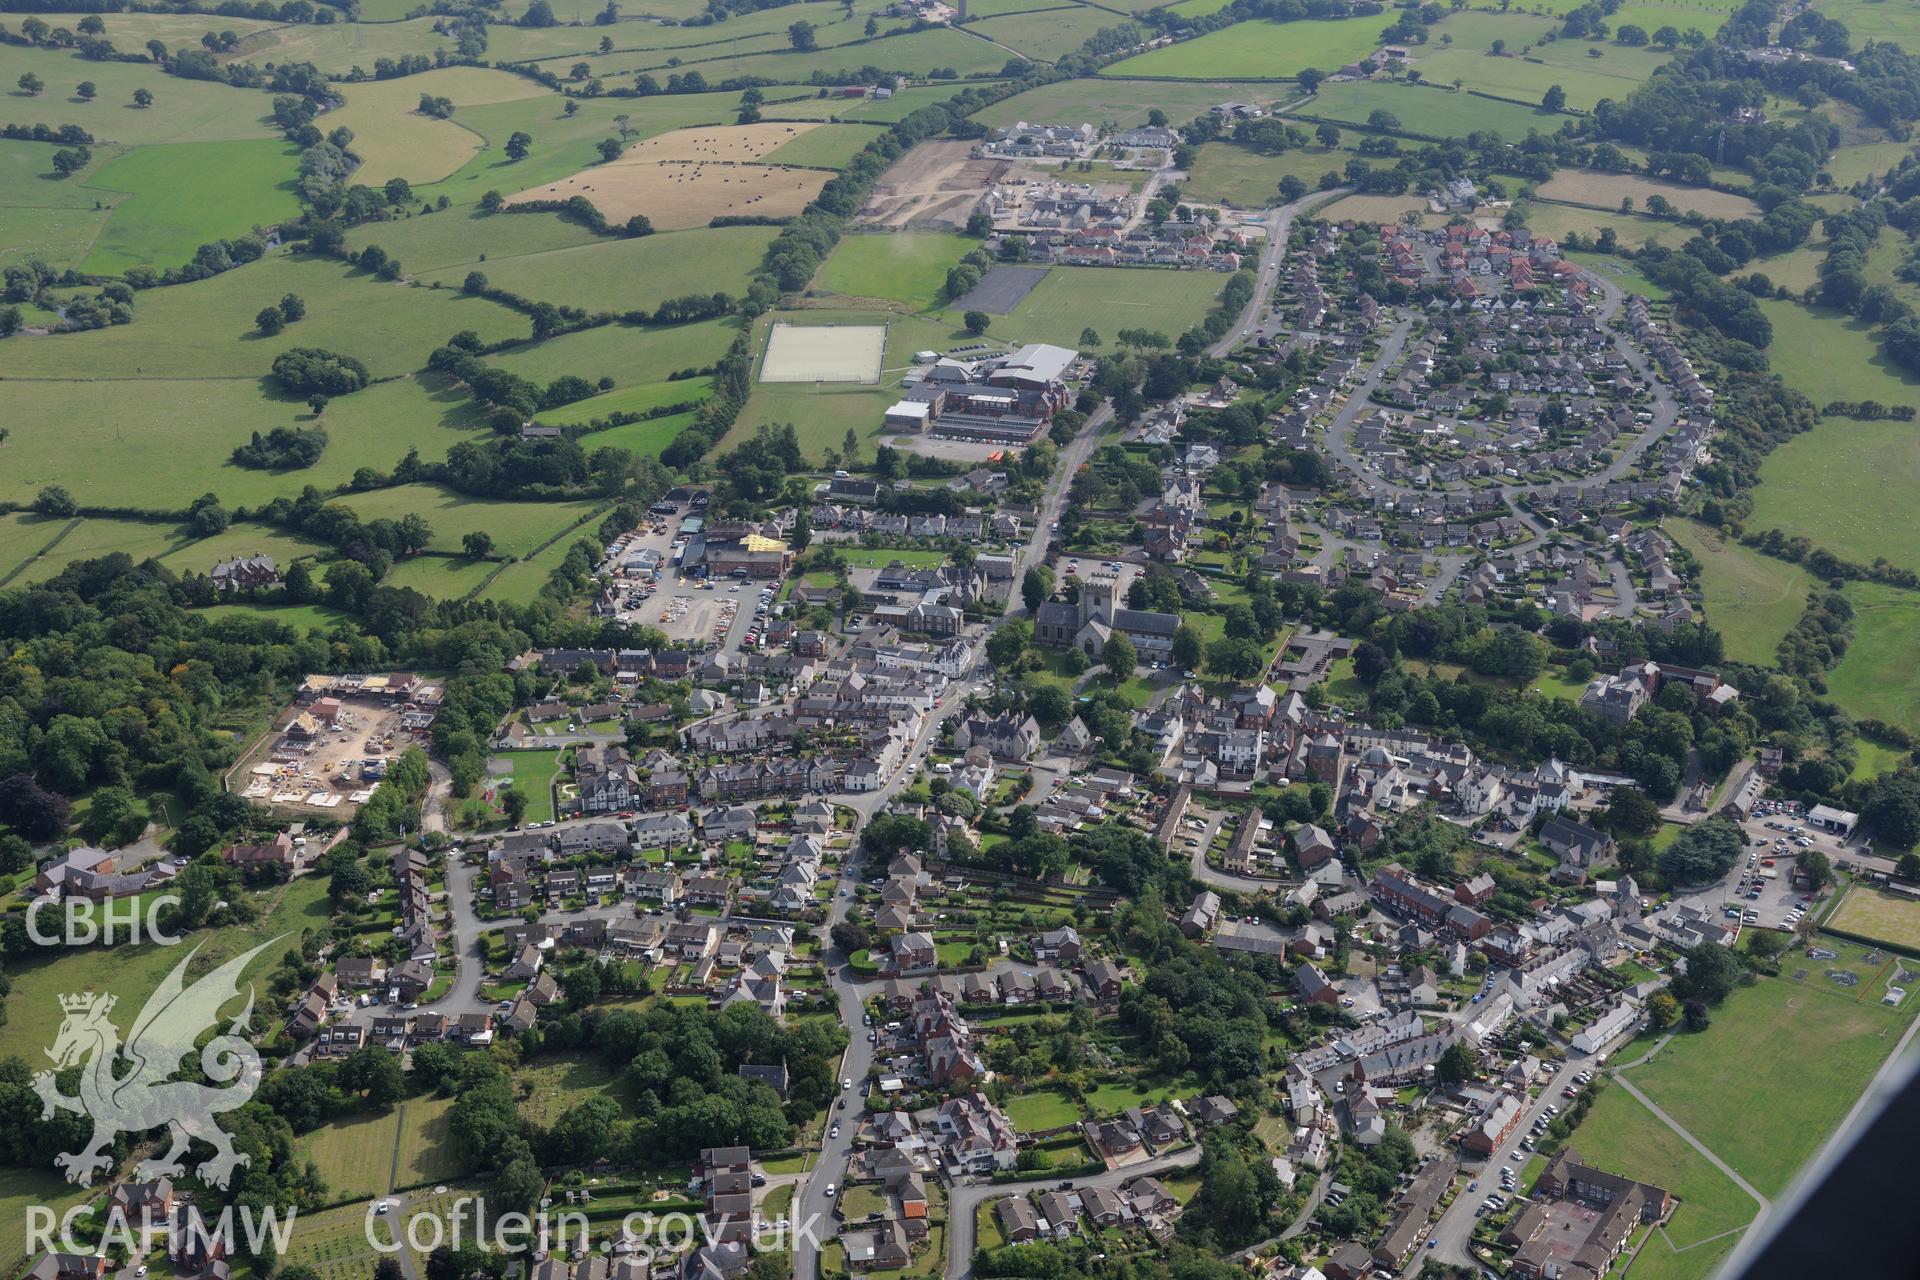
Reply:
x=1031, y=639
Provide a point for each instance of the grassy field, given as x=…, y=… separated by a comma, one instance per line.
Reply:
x=830, y=146
x=21, y=1189
x=1775, y=1073
x=915, y=53
x=182, y=110
x=42, y=215
x=1048, y=34
x=1586, y=79
x=206, y=329
x=442, y=577
x=1606, y=190
x=1871, y=758
x=1124, y=103
x=1848, y=165
x=1227, y=173
x=355, y=1156
x=557, y=1083
x=1434, y=112
x=1042, y=1109
x=617, y=275
x=100, y=537
x=244, y=540
x=517, y=527
x=1872, y=20
x=393, y=139
x=132, y=972
x=1843, y=484
x=533, y=773
x=1875, y=913
x=301, y=617
x=23, y=535
x=1110, y=299
x=1381, y=209
x=1621, y=1136
x=1621, y=272
x=178, y=197
x=905, y=267
x=426, y=1148
x=1878, y=678
x=630, y=356
x=1259, y=50
x=1752, y=600
x=1632, y=230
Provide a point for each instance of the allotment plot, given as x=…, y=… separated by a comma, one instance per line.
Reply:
x=824, y=353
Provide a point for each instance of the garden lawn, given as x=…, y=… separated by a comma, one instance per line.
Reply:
x=1227, y=173
x=182, y=110
x=905, y=266
x=1752, y=599
x=518, y=528
x=610, y=275
x=1878, y=678
x=354, y=1155
x=176, y=198
x=1042, y=1109
x=1259, y=50
x=1773, y=1075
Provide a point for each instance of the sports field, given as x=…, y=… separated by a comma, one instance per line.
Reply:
x=1781, y=1064
x=824, y=353
x=1227, y=173
x=1259, y=50
x=171, y=200
x=1875, y=913
x=905, y=267
x=1879, y=678
x=1752, y=600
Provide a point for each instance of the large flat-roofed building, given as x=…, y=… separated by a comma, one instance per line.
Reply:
x=1036, y=365
x=1008, y=400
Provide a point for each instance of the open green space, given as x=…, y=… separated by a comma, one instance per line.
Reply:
x=1879, y=677
x=394, y=140
x=532, y=773
x=1429, y=111
x=1753, y=600
x=830, y=146
x=646, y=439
x=914, y=53
x=1633, y=230
x=182, y=110
x=1621, y=1136
x=1048, y=34
x=1873, y=20
x=628, y=355
x=41, y=214
x=1615, y=74
x=1621, y=272
x=94, y=537
x=1124, y=103
x=176, y=198
x=354, y=1154
x=1228, y=173
x=617, y=275
x=1856, y=163
x=442, y=577
x=1868, y=912
x=904, y=266
x=206, y=329
x=245, y=540
x=1873, y=758
x=1042, y=1109
x=23, y=1190
x=558, y=1081
x=1109, y=299
x=517, y=527
x=427, y=1151
x=334, y=1243
x=1259, y=50
x=1776, y=1071
x=301, y=617
x=133, y=972
x=23, y=535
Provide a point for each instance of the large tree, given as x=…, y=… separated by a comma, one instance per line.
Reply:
x=1118, y=656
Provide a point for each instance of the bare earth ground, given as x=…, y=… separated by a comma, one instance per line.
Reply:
x=934, y=185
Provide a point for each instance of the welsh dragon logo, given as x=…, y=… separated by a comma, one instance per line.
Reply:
x=147, y=1096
